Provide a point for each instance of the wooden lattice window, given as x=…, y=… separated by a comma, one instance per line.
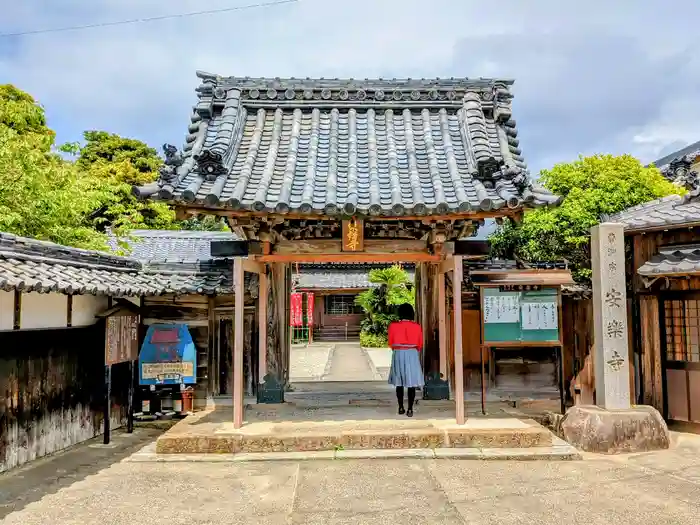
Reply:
x=682, y=324
x=342, y=305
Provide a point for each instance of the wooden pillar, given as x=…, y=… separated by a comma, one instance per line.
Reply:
x=277, y=321
x=238, y=342
x=262, y=326
x=459, y=360
x=212, y=361
x=442, y=324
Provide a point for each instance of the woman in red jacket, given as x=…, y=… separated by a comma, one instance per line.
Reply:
x=406, y=341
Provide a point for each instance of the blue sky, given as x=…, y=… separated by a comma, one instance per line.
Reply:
x=603, y=76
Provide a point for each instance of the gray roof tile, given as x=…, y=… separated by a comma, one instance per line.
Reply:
x=339, y=276
x=166, y=246
x=673, y=211
x=377, y=147
x=31, y=265
x=673, y=260
x=676, y=167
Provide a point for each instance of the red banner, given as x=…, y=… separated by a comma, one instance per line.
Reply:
x=296, y=316
x=309, y=309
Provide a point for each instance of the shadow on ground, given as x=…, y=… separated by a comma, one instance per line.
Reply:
x=26, y=484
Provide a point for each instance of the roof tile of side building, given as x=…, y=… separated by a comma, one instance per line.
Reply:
x=171, y=246
x=673, y=260
x=339, y=276
x=676, y=166
x=334, y=147
x=29, y=265
x=674, y=211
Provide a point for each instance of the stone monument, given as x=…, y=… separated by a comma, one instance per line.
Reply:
x=614, y=425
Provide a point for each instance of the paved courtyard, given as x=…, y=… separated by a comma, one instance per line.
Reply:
x=338, y=362
x=653, y=488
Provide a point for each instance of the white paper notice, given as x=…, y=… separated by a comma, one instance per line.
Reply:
x=539, y=316
x=501, y=309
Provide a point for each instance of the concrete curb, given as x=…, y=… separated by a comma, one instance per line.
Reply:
x=554, y=453
x=375, y=373
x=329, y=363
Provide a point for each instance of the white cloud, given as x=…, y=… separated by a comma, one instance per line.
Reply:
x=573, y=94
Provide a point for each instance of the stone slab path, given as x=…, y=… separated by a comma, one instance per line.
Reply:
x=657, y=488
x=334, y=362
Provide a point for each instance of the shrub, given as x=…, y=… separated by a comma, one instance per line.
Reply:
x=368, y=340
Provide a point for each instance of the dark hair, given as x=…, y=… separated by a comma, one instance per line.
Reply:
x=406, y=312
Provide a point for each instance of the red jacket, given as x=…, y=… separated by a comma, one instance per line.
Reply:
x=405, y=334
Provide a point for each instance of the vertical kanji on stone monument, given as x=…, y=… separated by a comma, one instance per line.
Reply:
x=610, y=314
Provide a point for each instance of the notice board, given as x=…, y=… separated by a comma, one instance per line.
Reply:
x=121, y=339
x=520, y=316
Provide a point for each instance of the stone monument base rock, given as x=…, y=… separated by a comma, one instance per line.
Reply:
x=593, y=429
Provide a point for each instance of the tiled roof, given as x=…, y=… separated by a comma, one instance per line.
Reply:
x=171, y=246
x=674, y=211
x=676, y=166
x=339, y=276
x=673, y=260
x=333, y=147
x=31, y=265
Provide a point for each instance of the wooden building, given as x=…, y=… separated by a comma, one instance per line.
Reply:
x=52, y=344
x=200, y=295
x=663, y=274
x=341, y=171
x=53, y=300
x=335, y=287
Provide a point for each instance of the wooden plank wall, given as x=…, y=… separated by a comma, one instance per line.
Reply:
x=52, y=391
x=650, y=338
x=577, y=335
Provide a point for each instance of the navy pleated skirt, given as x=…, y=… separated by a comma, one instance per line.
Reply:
x=405, y=368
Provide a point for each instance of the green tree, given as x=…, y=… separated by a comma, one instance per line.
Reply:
x=591, y=187
x=392, y=288
x=116, y=164
x=41, y=194
x=112, y=148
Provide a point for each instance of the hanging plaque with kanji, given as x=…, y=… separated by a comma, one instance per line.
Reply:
x=353, y=235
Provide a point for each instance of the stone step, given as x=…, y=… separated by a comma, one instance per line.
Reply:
x=332, y=439
x=556, y=452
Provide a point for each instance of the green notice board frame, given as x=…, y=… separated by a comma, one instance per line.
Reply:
x=512, y=327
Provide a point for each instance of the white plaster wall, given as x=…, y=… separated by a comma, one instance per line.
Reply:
x=43, y=310
x=7, y=310
x=85, y=307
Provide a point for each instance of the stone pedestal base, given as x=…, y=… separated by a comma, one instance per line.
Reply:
x=594, y=429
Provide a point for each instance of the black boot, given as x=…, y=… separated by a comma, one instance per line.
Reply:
x=399, y=398
x=411, y=400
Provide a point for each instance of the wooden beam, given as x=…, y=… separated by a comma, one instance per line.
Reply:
x=262, y=327
x=350, y=258
x=238, y=340
x=459, y=359
x=442, y=324
x=253, y=266
x=335, y=246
